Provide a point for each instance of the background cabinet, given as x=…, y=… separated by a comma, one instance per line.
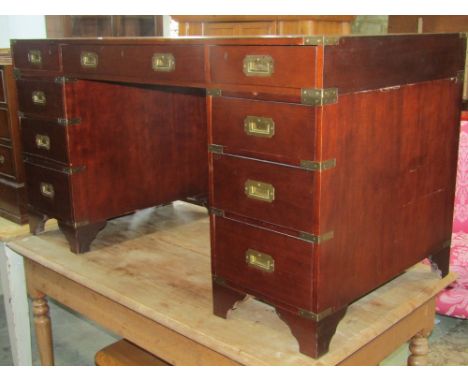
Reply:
x=103, y=26
x=262, y=25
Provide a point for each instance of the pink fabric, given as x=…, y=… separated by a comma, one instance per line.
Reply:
x=454, y=300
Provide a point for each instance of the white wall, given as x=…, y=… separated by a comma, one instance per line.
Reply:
x=21, y=27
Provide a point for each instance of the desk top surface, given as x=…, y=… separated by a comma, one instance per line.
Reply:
x=157, y=263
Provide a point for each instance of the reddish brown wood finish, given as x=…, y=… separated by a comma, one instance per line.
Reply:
x=57, y=148
x=294, y=132
x=4, y=124
x=313, y=336
x=6, y=161
x=293, y=205
x=390, y=198
x=289, y=285
x=2, y=88
x=49, y=52
x=132, y=61
x=393, y=132
x=375, y=62
x=53, y=92
x=12, y=193
x=294, y=67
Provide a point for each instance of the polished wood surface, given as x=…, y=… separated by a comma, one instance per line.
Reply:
x=12, y=190
x=378, y=171
x=149, y=281
x=236, y=25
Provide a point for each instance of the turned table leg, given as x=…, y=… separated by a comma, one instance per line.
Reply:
x=42, y=324
x=419, y=349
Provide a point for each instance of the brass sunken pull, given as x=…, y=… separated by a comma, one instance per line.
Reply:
x=35, y=57
x=163, y=62
x=89, y=60
x=42, y=142
x=258, y=66
x=2, y=159
x=264, y=192
x=260, y=260
x=39, y=97
x=259, y=126
x=47, y=190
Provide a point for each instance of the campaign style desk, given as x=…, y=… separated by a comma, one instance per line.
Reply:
x=148, y=280
x=331, y=165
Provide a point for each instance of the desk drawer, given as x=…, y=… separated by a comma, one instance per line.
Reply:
x=3, y=95
x=49, y=191
x=6, y=161
x=33, y=55
x=264, y=191
x=267, y=130
x=41, y=98
x=46, y=139
x=160, y=63
x=4, y=124
x=270, y=265
x=285, y=66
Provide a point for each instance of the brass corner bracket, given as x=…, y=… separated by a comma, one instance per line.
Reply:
x=316, y=239
x=319, y=97
x=321, y=40
x=216, y=149
x=214, y=92
x=318, y=166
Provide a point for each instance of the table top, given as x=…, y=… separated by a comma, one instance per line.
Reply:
x=10, y=230
x=157, y=263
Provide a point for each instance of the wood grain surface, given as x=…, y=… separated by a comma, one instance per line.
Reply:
x=157, y=264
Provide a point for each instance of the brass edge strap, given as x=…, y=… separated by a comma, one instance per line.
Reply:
x=318, y=166
x=216, y=211
x=319, y=97
x=63, y=170
x=68, y=122
x=217, y=149
x=63, y=80
x=315, y=316
x=301, y=312
x=218, y=280
x=17, y=73
x=321, y=40
x=316, y=239
x=214, y=92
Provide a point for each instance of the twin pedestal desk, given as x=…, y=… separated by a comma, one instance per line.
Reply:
x=327, y=163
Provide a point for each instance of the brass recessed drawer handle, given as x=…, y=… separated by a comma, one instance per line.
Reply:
x=42, y=142
x=163, y=62
x=38, y=98
x=2, y=159
x=47, y=190
x=260, y=260
x=258, y=66
x=259, y=126
x=263, y=192
x=89, y=60
x=35, y=57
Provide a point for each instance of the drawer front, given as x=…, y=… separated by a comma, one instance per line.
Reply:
x=42, y=55
x=285, y=66
x=4, y=124
x=48, y=191
x=271, y=265
x=41, y=98
x=45, y=139
x=267, y=130
x=272, y=193
x=159, y=63
x=6, y=161
x=2, y=86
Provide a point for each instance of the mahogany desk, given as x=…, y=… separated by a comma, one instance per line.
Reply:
x=150, y=282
